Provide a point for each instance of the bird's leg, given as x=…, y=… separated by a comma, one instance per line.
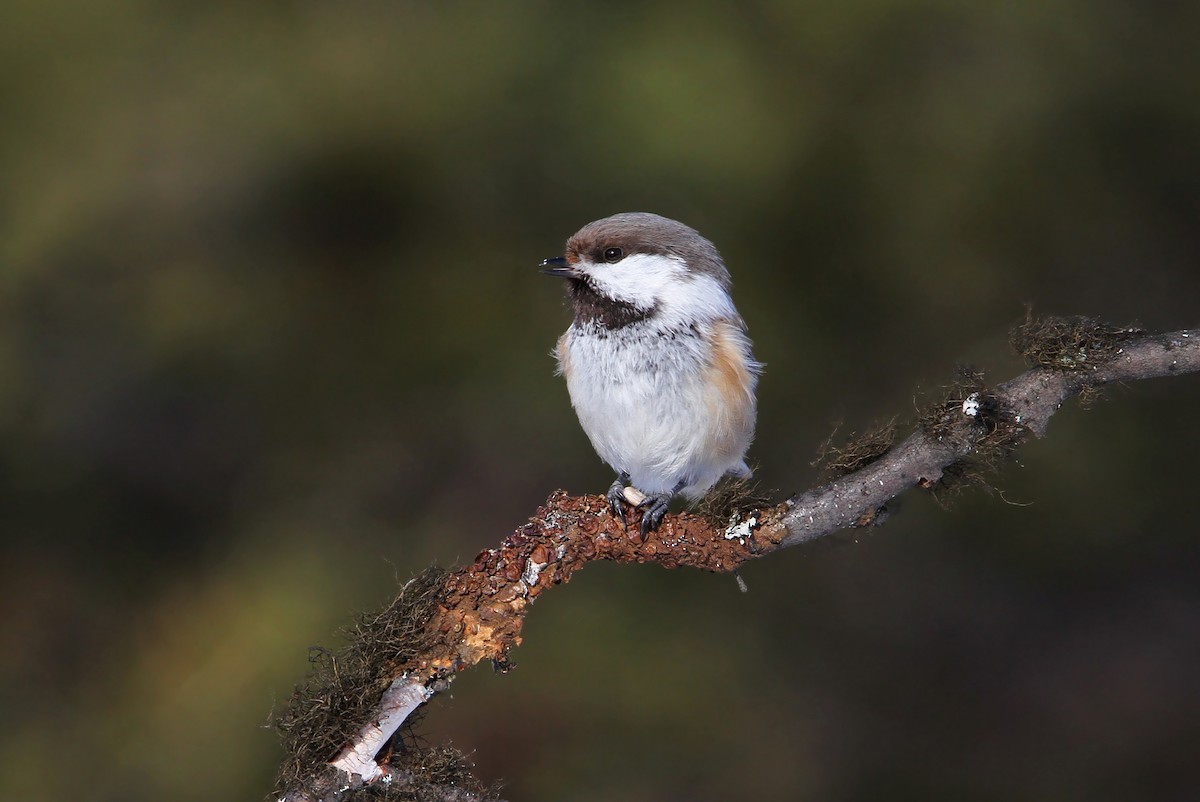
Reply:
x=655, y=507
x=615, y=495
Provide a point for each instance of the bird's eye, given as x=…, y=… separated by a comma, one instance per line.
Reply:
x=612, y=255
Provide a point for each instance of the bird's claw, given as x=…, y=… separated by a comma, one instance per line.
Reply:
x=616, y=496
x=655, y=507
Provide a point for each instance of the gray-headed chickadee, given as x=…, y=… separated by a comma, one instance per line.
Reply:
x=657, y=361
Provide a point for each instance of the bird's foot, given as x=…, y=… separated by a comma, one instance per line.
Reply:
x=616, y=495
x=654, y=509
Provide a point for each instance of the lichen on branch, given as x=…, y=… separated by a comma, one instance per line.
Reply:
x=445, y=622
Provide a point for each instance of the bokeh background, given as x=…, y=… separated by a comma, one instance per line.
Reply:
x=272, y=338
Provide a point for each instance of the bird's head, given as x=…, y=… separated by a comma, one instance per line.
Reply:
x=638, y=266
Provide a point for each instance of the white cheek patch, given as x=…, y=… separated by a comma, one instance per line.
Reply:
x=640, y=279
x=700, y=298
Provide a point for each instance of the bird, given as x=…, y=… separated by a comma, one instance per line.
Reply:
x=657, y=361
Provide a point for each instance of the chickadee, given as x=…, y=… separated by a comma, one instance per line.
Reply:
x=657, y=361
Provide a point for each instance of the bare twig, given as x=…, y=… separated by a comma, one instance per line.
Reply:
x=399, y=701
x=483, y=605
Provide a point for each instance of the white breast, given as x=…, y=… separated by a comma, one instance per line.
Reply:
x=645, y=397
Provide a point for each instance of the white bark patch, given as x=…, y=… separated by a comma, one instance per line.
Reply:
x=397, y=704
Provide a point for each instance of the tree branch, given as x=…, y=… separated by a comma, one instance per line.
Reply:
x=480, y=608
x=1021, y=406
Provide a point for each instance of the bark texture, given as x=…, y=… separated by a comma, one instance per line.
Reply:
x=481, y=607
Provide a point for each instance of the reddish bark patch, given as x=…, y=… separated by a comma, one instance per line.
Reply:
x=486, y=601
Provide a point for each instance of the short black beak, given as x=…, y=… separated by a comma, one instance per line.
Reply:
x=557, y=266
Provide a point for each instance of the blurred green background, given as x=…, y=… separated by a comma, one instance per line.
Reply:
x=271, y=337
